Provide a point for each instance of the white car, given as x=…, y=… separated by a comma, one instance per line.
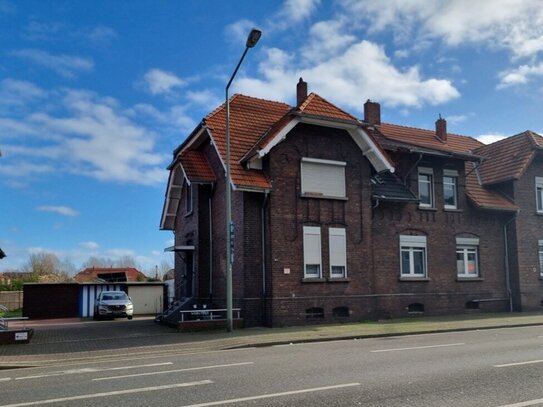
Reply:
x=113, y=304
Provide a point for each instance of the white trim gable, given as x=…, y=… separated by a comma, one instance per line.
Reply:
x=360, y=136
x=173, y=196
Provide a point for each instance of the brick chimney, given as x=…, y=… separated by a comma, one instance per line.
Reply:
x=441, y=129
x=372, y=112
x=301, y=92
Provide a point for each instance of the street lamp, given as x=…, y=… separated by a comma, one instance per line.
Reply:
x=252, y=39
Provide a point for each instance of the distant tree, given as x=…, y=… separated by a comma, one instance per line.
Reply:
x=97, y=262
x=41, y=264
x=126, y=261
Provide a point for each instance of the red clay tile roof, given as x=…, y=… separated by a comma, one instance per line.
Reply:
x=507, y=159
x=196, y=166
x=250, y=119
x=427, y=139
x=484, y=198
x=317, y=106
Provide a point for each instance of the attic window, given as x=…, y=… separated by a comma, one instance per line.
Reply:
x=323, y=178
x=539, y=194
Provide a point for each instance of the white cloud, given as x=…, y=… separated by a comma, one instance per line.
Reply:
x=294, y=11
x=37, y=30
x=24, y=169
x=89, y=245
x=159, y=82
x=516, y=25
x=363, y=71
x=520, y=75
x=99, y=35
x=205, y=98
x=86, y=135
x=326, y=40
x=64, y=65
x=61, y=210
x=17, y=93
x=490, y=138
x=237, y=32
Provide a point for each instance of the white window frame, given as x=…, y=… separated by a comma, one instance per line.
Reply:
x=338, y=258
x=412, y=245
x=429, y=172
x=466, y=246
x=315, y=257
x=540, y=255
x=539, y=194
x=453, y=174
x=316, y=188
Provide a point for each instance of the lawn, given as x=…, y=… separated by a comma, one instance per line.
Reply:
x=11, y=314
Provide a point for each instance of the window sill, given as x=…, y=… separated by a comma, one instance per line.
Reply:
x=452, y=210
x=414, y=279
x=313, y=280
x=338, y=279
x=317, y=196
x=539, y=213
x=427, y=208
x=463, y=279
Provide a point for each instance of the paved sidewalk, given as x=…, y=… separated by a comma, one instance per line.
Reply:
x=74, y=340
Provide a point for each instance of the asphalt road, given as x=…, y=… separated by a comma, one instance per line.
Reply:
x=501, y=367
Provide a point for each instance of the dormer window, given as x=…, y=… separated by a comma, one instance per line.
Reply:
x=323, y=178
x=426, y=187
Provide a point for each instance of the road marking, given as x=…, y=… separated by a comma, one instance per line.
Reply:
x=272, y=395
x=90, y=370
x=524, y=403
x=5, y=379
x=108, y=394
x=417, y=347
x=529, y=362
x=171, y=371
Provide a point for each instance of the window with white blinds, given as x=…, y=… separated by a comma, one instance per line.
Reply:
x=338, y=253
x=312, y=252
x=323, y=178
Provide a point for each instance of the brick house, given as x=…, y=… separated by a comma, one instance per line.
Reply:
x=344, y=219
x=514, y=167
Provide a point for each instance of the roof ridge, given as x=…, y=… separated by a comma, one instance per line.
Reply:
x=431, y=131
x=316, y=95
x=307, y=100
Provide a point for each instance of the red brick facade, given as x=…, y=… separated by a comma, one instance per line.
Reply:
x=268, y=270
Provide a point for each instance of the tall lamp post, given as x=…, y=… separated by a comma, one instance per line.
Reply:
x=252, y=39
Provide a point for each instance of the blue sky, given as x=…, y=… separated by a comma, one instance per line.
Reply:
x=95, y=95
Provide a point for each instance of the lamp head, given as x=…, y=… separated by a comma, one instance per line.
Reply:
x=253, y=38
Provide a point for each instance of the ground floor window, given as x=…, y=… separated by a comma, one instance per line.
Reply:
x=312, y=252
x=413, y=256
x=467, y=257
x=338, y=253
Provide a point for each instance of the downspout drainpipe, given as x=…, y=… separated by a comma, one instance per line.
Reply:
x=263, y=244
x=211, y=244
x=507, y=272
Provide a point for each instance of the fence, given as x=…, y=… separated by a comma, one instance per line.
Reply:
x=11, y=299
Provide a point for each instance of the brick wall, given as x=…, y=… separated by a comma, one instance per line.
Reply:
x=528, y=230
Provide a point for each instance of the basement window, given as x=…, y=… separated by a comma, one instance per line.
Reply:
x=415, y=308
x=472, y=305
x=314, y=313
